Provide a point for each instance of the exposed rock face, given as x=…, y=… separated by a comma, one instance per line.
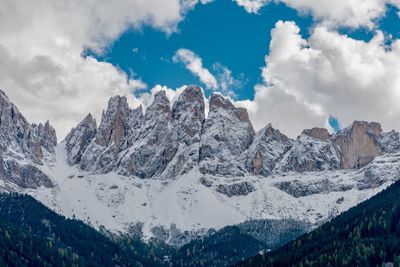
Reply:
x=23, y=142
x=111, y=136
x=154, y=147
x=298, y=188
x=227, y=133
x=390, y=142
x=308, y=154
x=167, y=142
x=358, y=144
x=267, y=149
x=236, y=189
x=80, y=137
x=187, y=120
x=318, y=133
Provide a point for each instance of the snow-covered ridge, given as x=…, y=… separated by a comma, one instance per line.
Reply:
x=166, y=142
x=170, y=166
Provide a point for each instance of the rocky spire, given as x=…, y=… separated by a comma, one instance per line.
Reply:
x=267, y=149
x=48, y=137
x=227, y=133
x=188, y=114
x=187, y=119
x=113, y=126
x=110, y=136
x=79, y=139
x=20, y=140
x=154, y=148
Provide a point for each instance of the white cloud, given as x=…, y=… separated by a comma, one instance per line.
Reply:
x=221, y=80
x=348, y=13
x=328, y=74
x=41, y=46
x=252, y=6
x=195, y=65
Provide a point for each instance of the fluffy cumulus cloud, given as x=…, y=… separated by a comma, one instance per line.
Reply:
x=41, y=45
x=219, y=80
x=252, y=6
x=305, y=81
x=348, y=13
x=195, y=65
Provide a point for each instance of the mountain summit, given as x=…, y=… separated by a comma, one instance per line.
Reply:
x=173, y=172
x=165, y=142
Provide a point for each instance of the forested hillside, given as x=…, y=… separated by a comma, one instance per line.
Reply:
x=366, y=235
x=32, y=235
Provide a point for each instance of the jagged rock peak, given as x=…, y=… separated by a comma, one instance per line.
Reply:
x=89, y=120
x=3, y=95
x=188, y=111
x=318, y=133
x=48, y=136
x=226, y=134
x=188, y=117
x=79, y=139
x=191, y=94
x=23, y=142
x=160, y=105
x=270, y=132
x=219, y=101
x=268, y=147
x=113, y=124
x=358, y=144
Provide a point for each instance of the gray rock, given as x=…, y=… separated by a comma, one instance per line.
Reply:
x=227, y=133
x=236, y=189
x=358, y=144
x=80, y=137
x=299, y=188
x=154, y=147
x=23, y=147
x=309, y=154
x=267, y=149
x=187, y=120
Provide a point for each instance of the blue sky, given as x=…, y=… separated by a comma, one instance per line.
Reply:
x=219, y=32
x=322, y=77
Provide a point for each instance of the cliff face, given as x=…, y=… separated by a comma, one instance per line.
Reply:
x=358, y=144
x=174, y=167
x=167, y=142
x=23, y=147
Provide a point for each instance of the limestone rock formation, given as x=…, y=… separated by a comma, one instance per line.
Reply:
x=266, y=150
x=309, y=154
x=187, y=120
x=227, y=133
x=23, y=147
x=358, y=144
x=154, y=147
x=318, y=133
x=80, y=137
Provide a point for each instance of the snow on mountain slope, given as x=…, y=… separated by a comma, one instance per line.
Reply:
x=176, y=170
x=193, y=201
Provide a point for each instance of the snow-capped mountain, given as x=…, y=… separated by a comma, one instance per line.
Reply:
x=174, y=167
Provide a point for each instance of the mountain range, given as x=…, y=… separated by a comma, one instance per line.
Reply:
x=172, y=172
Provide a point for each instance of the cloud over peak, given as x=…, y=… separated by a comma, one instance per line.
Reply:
x=306, y=81
x=195, y=65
